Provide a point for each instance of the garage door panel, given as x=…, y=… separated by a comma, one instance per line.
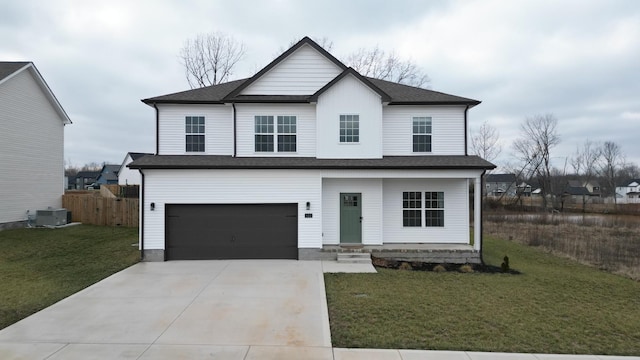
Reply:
x=232, y=231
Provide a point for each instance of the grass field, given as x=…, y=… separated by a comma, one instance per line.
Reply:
x=39, y=267
x=555, y=306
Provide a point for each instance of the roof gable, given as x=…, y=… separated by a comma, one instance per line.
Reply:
x=305, y=55
x=350, y=71
x=9, y=69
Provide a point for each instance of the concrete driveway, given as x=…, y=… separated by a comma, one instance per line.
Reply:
x=240, y=309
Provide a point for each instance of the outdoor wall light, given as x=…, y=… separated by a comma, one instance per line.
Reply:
x=153, y=206
x=308, y=205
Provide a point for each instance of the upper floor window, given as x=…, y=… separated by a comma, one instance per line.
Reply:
x=349, y=128
x=421, y=134
x=194, y=130
x=267, y=135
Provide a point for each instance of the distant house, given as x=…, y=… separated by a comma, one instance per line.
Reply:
x=582, y=191
x=501, y=184
x=629, y=192
x=85, y=178
x=108, y=175
x=31, y=144
x=524, y=190
x=128, y=176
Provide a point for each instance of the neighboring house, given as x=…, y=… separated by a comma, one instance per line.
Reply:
x=524, y=190
x=577, y=190
x=500, y=185
x=85, y=178
x=305, y=156
x=108, y=174
x=31, y=144
x=629, y=192
x=128, y=176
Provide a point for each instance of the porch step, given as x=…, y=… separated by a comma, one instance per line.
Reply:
x=354, y=258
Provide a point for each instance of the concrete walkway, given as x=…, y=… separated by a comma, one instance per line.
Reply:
x=204, y=310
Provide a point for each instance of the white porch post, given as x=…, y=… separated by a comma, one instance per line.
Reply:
x=477, y=218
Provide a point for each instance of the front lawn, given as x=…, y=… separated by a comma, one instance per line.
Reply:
x=39, y=267
x=554, y=306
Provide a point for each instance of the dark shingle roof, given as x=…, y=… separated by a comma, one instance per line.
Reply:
x=501, y=178
x=410, y=95
x=213, y=94
x=137, y=155
x=387, y=162
x=9, y=67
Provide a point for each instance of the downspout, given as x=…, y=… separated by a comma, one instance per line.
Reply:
x=141, y=216
x=157, y=130
x=466, y=134
x=481, y=219
x=233, y=105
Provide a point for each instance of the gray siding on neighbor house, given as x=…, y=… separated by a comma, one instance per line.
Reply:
x=31, y=149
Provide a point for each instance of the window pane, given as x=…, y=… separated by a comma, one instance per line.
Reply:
x=264, y=143
x=434, y=217
x=411, y=218
x=287, y=143
x=195, y=143
x=421, y=143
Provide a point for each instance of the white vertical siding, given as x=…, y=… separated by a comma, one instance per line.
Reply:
x=448, y=135
x=456, y=211
x=31, y=149
x=305, y=124
x=349, y=96
x=302, y=73
x=218, y=128
x=372, y=219
x=232, y=187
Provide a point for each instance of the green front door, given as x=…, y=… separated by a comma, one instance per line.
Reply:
x=350, y=218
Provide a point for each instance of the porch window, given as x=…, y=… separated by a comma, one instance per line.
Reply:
x=421, y=134
x=434, y=208
x=412, y=208
x=194, y=130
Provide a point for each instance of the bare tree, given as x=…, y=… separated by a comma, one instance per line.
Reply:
x=538, y=135
x=377, y=63
x=610, y=166
x=485, y=143
x=585, y=164
x=210, y=59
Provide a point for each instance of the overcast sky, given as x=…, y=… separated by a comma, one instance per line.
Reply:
x=579, y=60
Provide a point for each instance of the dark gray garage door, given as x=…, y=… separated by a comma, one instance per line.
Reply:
x=231, y=231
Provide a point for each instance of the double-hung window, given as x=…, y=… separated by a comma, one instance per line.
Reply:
x=413, y=208
x=194, y=130
x=349, y=128
x=421, y=134
x=282, y=133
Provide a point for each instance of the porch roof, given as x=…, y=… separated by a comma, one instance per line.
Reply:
x=431, y=162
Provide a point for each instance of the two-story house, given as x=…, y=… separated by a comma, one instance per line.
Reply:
x=304, y=155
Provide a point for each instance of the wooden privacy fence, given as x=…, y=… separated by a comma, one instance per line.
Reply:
x=98, y=210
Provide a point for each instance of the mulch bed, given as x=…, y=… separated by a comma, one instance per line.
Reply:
x=389, y=263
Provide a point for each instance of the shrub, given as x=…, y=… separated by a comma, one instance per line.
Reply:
x=439, y=268
x=466, y=268
x=405, y=266
x=505, y=264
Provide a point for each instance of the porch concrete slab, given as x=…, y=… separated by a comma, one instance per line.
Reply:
x=366, y=354
x=289, y=353
x=28, y=351
x=172, y=352
x=332, y=266
x=433, y=355
x=99, y=352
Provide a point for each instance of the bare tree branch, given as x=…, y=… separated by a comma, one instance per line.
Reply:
x=209, y=59
x=611, y=165
x=585, y=162
x=377, y=63
x=485, y=143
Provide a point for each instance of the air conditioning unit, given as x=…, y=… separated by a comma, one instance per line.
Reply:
x=51, y=217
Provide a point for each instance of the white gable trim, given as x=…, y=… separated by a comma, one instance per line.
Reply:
x=45, y=89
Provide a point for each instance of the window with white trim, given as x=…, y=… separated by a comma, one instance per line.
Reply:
x=194, y=132
x=349, y=128
x=421, y=134
x=280, y=137
x=413, y=207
